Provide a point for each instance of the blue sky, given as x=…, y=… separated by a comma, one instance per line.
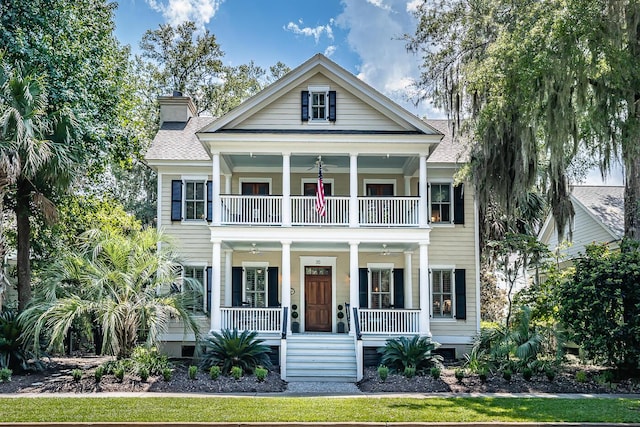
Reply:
x=363, y=36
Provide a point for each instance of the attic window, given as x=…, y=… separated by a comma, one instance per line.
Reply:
x=318, y=105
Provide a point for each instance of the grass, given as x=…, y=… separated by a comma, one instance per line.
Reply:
x=227, y=409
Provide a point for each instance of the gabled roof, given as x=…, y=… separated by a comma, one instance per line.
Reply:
x=603, y=203
x=322, y=64
x=178, y=141
x=449, y=150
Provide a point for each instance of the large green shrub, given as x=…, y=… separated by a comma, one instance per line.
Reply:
x=13, y=353
x=149, y=359
x=416, y=352
x=601, y=305
x=228, y=348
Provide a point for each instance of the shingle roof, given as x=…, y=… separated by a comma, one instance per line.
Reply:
x=448, y=150
x=178, y=141
x=606, y=203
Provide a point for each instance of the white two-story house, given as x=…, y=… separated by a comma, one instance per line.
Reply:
x=390, y=249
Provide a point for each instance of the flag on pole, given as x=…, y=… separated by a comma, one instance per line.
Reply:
x=321, y=206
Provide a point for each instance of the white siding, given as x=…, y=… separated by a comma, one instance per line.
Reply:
x=284, y=112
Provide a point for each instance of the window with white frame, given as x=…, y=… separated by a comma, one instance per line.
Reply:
x=442, y=293
x=381, y=290
x=255, y=286
x=194, y=200
x=196, y=286
x=441, y=203
x=319, y=105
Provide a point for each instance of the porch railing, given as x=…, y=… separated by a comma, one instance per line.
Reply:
x=252, y=319
x=303, y=211
x=258, y=210
x=267, y=210
x=389, y=211
x=389, y=321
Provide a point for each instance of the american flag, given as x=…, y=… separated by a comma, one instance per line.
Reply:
x=321, y=205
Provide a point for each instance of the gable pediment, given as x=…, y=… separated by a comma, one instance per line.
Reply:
x=359, y=107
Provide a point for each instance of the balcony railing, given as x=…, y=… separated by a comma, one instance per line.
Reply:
x=251, y=319
x=372, y=211
x=251, y=210
x=389, y=321
x=303, y=211
x=389, y=211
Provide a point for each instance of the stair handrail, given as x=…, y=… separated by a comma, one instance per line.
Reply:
x=285, y=319
x=356, y=322
x=347, y=305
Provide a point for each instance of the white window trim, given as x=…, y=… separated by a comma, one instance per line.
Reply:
x=203, y=266
x=451, y=268
x=256, y=180
x=380, y=266
x=193, y=178
x=367, y=181
x=451, y=212
x=255, y=264
x=315, y=181
x=318, y=89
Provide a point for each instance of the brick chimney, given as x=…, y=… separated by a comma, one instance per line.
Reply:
x=176, y=108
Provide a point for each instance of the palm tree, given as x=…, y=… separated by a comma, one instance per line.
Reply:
x=124, y=284
x=33, y=155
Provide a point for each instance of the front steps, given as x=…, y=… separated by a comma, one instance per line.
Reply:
x=321, y=357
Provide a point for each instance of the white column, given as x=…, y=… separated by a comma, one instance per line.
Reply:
x=408, y=280
x=215, y=179
x=286, y=279
x=353, y=190
x=354, y=282
x=425, y=297
x=423, y=208
x=286, y=189
x=407, y=186
x=216, y=320
x=228, y=267
x=227, y=183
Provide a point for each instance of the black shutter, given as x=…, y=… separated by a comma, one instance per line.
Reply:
x=236, y=286
x=176, y=200
x=458, y=204
x=332, y=105
x=272, y=298
x=461, y=294
x=207, y=301
x=364, y=288
x=209, y=201
x=305, y=105
x=398, y=287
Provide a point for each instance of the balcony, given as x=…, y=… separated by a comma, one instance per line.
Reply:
x=268, y=210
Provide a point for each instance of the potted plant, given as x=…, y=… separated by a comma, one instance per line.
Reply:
x=295, y=325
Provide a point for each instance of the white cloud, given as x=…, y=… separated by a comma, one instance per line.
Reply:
x=315, y=32
x=176, y=12
x=330, y=50
x=380, y=4
x=375, y=32
x=413, y=5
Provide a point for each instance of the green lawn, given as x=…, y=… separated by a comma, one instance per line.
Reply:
x=243, y=409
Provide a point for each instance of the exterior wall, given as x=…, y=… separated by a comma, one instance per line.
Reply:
x=284, y=112
x=586, y=230
x=340, y=182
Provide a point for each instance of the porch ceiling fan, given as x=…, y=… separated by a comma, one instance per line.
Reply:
x=386, y=251
x=325, y=167
x=254, y=250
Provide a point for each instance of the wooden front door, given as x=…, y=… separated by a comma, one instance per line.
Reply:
x=317, y=295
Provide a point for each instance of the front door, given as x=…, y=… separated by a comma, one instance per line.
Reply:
x=317, y=295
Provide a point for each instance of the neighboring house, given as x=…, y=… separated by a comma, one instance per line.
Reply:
x=599, y=218
x=395, y=253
